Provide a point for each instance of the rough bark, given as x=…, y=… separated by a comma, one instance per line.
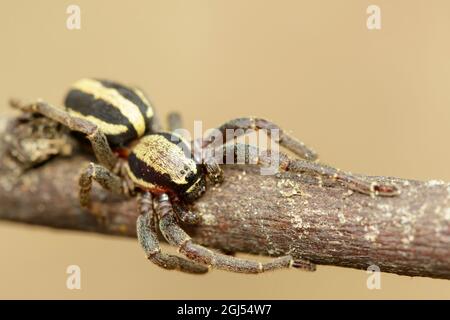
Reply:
x=268, y=215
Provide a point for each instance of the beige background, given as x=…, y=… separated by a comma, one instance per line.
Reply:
x=375, y=102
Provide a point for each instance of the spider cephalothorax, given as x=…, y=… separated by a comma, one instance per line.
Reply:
x=136, y=158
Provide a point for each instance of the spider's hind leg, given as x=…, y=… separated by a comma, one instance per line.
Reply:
x=100, y=145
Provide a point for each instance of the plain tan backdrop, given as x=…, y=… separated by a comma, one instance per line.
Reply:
x=374, y=102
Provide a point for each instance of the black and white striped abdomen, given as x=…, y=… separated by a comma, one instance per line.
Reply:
x=122, y=113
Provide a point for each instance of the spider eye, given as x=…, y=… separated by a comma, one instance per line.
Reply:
x=190, y=176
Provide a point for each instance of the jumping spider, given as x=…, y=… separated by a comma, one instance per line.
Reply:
x=135, y=157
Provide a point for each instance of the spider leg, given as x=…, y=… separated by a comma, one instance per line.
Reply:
x=100, y=145
x=174, y=121
x=156, y=124
x=175, y=235
x=213, y=170
x=148, y=239
x=252, y=155
x=185, y=215
x=352, y=182
x=283, y=139
x=211, y=163
x=104, y=177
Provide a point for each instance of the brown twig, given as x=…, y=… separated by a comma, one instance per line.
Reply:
x=268, y=215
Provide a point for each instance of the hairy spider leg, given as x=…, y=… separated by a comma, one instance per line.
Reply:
x=148, y=239
x=252, y=155
x=176, y=236
x=102, y=150
x=104, y=177
x=284, y=139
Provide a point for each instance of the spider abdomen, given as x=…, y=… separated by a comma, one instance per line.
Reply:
x=121, y=113
x=163, y=161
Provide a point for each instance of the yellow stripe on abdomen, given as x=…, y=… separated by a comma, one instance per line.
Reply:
x=127, y=108
x=106, y=127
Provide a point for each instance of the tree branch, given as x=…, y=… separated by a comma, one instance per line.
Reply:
x=268, y=215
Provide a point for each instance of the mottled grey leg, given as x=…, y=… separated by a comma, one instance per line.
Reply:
x=178, y=237
x=213, y=170
x=252, y=155
x=283, y=139
x=174, y=121
x=148, y=239
x=103, y=176
x=100, y=145
x=352, y=182
x=185, y=215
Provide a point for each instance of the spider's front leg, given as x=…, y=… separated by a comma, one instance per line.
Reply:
x=100, y=145
x=352, y=182
x=240, y=125
x=176, y=236
x=148, y=239
x=185, y=215
x=252, y=155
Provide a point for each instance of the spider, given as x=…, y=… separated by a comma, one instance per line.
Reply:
x=135, y=157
